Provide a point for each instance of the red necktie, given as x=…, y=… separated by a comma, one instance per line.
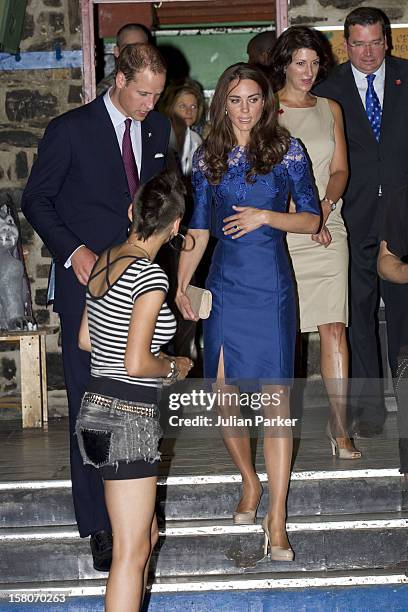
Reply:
x=129, y=161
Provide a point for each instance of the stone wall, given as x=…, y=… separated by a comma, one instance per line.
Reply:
x=29, y=99
x=333, y=12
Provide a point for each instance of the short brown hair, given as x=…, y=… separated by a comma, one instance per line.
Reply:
x=139, y=57
x=364, y=16
x=132, y=27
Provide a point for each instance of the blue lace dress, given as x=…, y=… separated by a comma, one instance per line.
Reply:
x=253, y=317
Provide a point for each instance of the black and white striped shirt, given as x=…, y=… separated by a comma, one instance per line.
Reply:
x=109, y=320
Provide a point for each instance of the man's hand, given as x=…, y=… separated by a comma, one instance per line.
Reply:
x=82, y=262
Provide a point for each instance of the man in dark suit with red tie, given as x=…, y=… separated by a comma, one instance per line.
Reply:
x=90, y=163
x=373, y=92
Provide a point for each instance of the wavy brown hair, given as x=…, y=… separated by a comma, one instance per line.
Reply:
x=268, y=141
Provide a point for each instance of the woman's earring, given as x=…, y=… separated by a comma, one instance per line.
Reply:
x=174, y=245
x=226, y=112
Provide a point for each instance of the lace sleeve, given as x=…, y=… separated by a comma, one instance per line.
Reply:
x=201, y=194
x=301, y=183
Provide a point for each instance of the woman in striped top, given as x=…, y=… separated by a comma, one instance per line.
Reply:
x=125, y=324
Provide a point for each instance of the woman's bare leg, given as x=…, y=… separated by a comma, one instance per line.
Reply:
x=278, y=446
x=154, y=538
x=237, y=442
x=334, y=366
x=131, y=506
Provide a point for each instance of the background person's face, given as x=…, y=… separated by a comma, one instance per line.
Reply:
x=131, y=37
x=366, y=47
x=186, y=108
x=257, y=57
x=244, y=105
x=138, y=97
x=301, y=73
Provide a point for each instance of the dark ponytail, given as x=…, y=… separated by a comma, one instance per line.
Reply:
x=157, y=204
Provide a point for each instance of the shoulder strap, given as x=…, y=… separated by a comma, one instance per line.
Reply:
x=111, y=263
x=106, y=270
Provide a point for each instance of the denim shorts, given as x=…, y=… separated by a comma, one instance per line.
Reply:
x=110, y=430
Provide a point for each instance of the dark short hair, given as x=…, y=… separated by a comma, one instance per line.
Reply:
x=131, y=27
x=261, y=42
x=291, y=40
x=139, y=57
x=364, y=16
x=157, y=204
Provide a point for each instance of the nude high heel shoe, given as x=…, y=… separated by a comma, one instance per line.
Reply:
x=341, y=452
x=248, y=517
x=277, y=552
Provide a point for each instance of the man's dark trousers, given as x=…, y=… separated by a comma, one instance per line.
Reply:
x=87, y=484
x=376, y=170
x=77, y=194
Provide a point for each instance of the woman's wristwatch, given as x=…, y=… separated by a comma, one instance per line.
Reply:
x=172, y=376
x=330, y=202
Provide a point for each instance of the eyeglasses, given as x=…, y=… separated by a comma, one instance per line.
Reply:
x=374, y=44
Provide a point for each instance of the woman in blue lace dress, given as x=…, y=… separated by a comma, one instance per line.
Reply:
x=242, y=178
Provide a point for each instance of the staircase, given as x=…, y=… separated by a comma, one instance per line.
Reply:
x=347, y=527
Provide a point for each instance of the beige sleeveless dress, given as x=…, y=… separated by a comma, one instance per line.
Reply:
x=321, y=274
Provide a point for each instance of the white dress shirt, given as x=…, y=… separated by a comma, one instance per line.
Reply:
x=362, y=83
x=118, y=121
x=192, y=141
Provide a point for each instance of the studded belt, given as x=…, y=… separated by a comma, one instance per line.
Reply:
x=139, y=408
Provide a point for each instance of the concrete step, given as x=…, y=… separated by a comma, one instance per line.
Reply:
x=192, y=584
x=42, y=503
x=218, y=548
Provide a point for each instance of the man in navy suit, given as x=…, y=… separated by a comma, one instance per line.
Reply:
x=373, y=92
x=77, y=199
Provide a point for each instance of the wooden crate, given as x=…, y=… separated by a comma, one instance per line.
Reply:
x=33, y=368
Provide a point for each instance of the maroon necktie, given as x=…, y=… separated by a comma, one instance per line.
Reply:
x=129, y=161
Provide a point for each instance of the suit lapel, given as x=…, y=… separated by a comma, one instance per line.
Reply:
x=147, y=149
x=108, y=141
x=357, y=106
x=147, y=136
x=393, y=94
x=106, y=137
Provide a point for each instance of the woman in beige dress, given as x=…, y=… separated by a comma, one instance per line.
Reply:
x=320, y=262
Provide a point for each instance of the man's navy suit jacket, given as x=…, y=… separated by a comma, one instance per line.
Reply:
x=77, y=192
x=371, y=163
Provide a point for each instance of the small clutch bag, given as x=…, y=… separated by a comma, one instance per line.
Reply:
x=201, y=301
